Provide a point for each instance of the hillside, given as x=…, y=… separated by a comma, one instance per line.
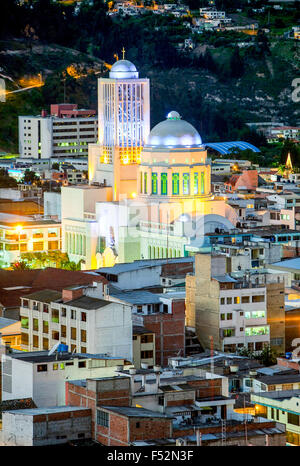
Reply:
x=206, y=95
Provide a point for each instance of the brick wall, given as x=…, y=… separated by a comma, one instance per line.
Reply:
x=169, y=332
x=116, y=433
x=207, y=387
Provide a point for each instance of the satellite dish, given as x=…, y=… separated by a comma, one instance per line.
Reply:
x=54, y=348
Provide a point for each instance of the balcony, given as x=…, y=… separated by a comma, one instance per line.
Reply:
x=155, y=227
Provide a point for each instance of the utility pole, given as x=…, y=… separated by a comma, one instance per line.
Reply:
x=212, y=365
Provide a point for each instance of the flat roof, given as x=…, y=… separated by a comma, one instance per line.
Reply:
x=277, y=379
x=50, y=410
x=140, y=264
x=292, y=264
x=36, y=357
x=135, y=412
x=4, y=322
x=88, y=303
x=44, y=296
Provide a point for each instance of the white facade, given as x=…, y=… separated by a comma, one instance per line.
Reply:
x=86, y=325
x=20, y=234
x=44, y=381
x=42, y=137
x=48, y=426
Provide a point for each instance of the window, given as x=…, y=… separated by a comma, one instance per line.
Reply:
x=196, y=183
x=45, y=344
x=245, y=299
x=241, y=329
x=146, y=338
x=145, y=183
x=222, y=300
x=102, y=418
x=228, y=332
x=83, y=349
x=82, y=364
x=161, y=400
x=63, y=331
x=62, y=366
x=241, y=313
x=202, y=183
x=237, y=300
x=55, y=335
x=164, y=183
x=73, y=314
x=258, y=298
x=186, y=183
x=287, y=386
x=55, y=316
x=258, y=314
x=137, y=425
x=35, y=324
x=35, y=341
x=38, y=246
x=42, y=368
x=146, y=354
x=73, y=333
x=25, y=303
x=63, y=312
x=293, y=419
x=154, y=183
x=165, y=308
x=83, y=317
x=134, y=337
x=55, y=366
x=24, y=322
x=229, y=300
x=229, y=316
x=175, y=183
x=46, y=308
x=45, y=326
x=222, y=316
x=139, y=309
x=83, y=336
x=251, y=331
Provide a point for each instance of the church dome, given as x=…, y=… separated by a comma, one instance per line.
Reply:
x=174, y=132
x=123, y=69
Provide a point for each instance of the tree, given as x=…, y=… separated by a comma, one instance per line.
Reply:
x=267, y=356
x=55, y=166
x=20, y=265
x=236, y=64
x=6, y=181
x=30, y=177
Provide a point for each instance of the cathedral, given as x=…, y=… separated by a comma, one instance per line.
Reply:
x=149, y=193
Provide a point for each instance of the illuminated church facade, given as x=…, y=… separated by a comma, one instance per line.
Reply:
x=149, y=193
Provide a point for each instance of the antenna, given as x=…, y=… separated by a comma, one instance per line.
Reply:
x=54, y=348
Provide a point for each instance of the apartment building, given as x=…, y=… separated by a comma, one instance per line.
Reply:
x=42, y=377
x=66, y=132
x=282, y=406
x=143, y=346
x=235, y=309
x=85, y=323
x=20, y=234
x=45, y=426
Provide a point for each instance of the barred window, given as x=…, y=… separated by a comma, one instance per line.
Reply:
x=102, y=418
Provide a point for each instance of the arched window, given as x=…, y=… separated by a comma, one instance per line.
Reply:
x=175, y=183
x=154, y=183
x=145, y=183
x=186, y=183
x=164, y=184
x=196, y=183
x=202, y=183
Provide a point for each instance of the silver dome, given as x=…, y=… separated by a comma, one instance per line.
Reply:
x=173, y=132
x=123, y=69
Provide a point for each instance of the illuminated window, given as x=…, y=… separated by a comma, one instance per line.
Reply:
x=247, y=315
x=258, y=314
x=186, y=183
x=250, y=331
x=237, y=300
x=145, y=183
x=202, y=183
x=175, y=183
x=141, y=182
x=164, y=183
x=196, y=183
x=24, y=322
x=154, y=183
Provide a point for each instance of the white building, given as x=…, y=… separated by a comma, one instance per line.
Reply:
x=62, y=134
x=46, y=426
x=85, y=323
x=20, y=234
x=42, y=377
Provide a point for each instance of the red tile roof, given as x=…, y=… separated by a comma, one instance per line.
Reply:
x=39, y=279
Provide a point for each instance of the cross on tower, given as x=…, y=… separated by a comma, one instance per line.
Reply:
x=123, y=52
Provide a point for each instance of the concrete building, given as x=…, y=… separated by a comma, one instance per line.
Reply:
x=20, y=234
x=143, y=347
x=66, y=132
x=42, y=377
x=45, y=426
x=237, y=310
x=75, y=317
x=282, y=406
